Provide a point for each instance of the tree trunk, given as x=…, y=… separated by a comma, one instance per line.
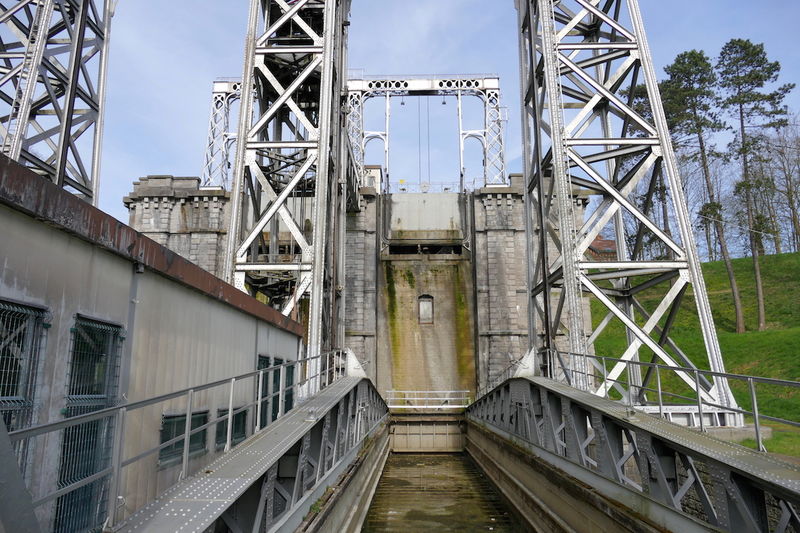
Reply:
x=790, y=169
x=762, y=320
x=776, y=236
x=723, y=246
x=795, y=219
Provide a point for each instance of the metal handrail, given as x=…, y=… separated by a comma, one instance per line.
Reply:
x=435, y=400
x=696, y=400
x=313, y=373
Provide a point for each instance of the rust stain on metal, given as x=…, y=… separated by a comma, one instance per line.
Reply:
x=24, y=191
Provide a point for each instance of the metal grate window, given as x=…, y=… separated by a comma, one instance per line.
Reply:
x=21, y=331
x=270, y=389
x=86, y=448
x=93, y=363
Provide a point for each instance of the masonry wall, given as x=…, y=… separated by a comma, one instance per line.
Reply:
x=361, y=262
x=500, y=277
x=190, y=220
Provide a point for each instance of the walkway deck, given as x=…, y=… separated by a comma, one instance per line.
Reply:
x=193, y=505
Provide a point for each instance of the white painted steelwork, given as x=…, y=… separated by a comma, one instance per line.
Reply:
x=439, y=400
x=491, y=136
x=593, y=125
x=217, y=160
x=52, y=88
x=288, y=189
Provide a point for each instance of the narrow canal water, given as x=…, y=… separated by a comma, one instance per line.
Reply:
x=437, y=493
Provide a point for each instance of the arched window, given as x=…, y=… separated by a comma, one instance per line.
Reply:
x=426, y=309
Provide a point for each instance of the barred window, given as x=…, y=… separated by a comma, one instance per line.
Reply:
x=239, y=431
x=93, y=363
x=173, y=426
x=21, y=330
x=86, y=448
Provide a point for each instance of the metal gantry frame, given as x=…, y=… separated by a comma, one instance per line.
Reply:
x=52, y=88
x=491, y=136
x=590, y=130
x=217, y=158
x=288, y=188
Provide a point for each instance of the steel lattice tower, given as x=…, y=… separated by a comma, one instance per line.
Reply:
x=290, y=172
x=593, y=125
x=52, y=87
x=216, y=160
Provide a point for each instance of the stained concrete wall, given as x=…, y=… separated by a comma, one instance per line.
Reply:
x=479, y=294
x=415, y=356
x=182, y=326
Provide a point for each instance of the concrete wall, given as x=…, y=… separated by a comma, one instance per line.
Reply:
x=415, y=356
x=182, y=327
x=425, y=217
x=412, y=355
x=480, y=297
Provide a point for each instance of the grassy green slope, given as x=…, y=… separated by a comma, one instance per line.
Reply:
x=772, y=353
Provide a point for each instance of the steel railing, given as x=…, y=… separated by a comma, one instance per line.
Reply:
x=268, y=388
x=428, y=400
x=664, y=397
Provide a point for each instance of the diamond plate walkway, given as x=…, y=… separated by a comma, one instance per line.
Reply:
x=196, y=503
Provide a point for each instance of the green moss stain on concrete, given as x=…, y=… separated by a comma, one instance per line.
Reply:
x=395, y=328
x=465, y=351
x=409, y=275
x=422, y=356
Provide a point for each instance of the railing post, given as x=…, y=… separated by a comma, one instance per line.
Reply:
x=605, y=377
x=630, y=387
x=230, y=416
x=660, y=398
x=259, y=401
x=699, y=398
x=282, y=391
x=756, y=421
x=186, y=435
x=116, y=465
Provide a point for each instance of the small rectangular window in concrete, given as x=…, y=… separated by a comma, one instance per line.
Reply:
x=425, y=310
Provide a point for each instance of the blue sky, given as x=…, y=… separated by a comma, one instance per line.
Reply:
x=165, y=55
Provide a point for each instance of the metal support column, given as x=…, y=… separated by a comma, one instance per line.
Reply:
x=293, y=61
x=596, y=137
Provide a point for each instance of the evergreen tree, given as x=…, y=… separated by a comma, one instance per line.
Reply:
x=690, y=102
x=744, y=70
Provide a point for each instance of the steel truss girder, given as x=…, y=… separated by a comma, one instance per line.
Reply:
x=288, y=193
x=217, y=160
x=52, y=88
x=317, y=454
x=678, y=467
x=491, y=136
x=586, y=134
x=269, y=482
